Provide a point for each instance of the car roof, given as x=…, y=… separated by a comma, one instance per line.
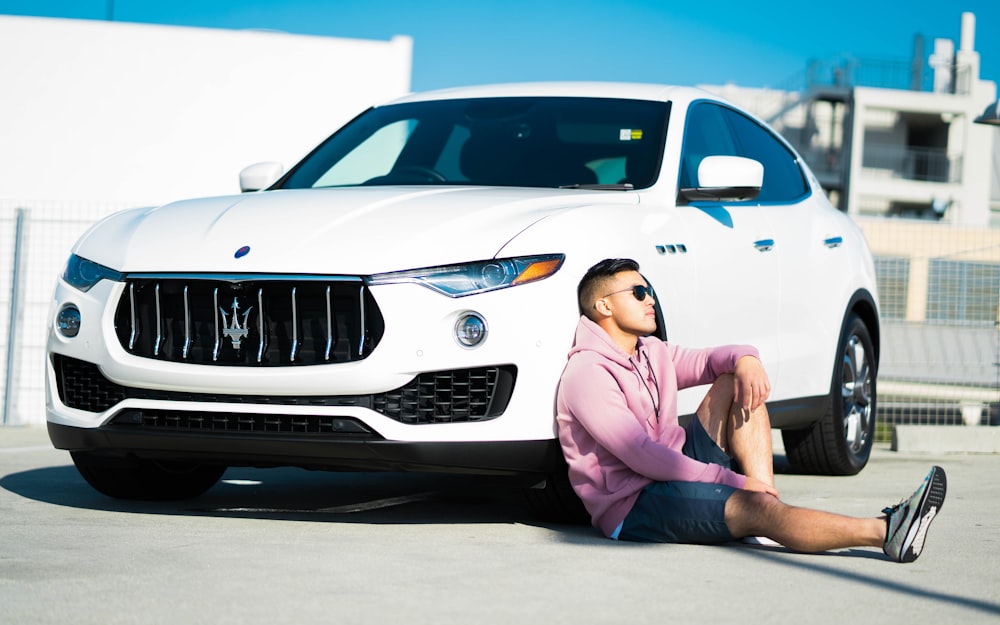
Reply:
x=630, y=91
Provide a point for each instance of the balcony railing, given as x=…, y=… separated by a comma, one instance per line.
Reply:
x=912, y=163
x=884, y=74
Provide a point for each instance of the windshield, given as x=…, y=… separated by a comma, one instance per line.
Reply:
x=527, y=142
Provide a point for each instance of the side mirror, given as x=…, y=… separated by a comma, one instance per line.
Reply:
x=726, y=178
x=260, y=176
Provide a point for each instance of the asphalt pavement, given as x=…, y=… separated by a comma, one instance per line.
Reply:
x=289, y=546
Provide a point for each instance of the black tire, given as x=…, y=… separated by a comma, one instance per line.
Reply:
x=841, y=441
x=149, y=480
x=553, y=500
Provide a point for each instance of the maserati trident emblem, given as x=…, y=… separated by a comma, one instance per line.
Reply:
x=231, y=324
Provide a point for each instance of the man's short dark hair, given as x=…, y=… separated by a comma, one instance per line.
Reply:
x=595, y=281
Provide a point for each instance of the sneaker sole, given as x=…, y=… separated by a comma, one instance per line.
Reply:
x=927, y=511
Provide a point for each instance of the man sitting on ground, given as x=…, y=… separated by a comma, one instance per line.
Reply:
x=643, y=477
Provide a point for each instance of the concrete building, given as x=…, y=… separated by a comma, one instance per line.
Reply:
x=895, y=138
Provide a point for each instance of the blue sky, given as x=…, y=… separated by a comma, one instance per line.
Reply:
x=481, y=41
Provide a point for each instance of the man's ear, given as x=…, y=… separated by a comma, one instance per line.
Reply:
x=602, y=307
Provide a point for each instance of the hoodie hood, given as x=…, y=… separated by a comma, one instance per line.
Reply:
x=591, y=337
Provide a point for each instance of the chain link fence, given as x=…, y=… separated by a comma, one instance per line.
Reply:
x=939, y=288
x=35, y=241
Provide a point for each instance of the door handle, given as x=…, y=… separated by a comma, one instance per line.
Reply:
x=833, y=242
x=764, y=245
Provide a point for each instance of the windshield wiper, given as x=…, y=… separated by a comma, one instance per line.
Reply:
x=623, y=186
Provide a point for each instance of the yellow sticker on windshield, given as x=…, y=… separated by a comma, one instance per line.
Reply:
x=630, y=134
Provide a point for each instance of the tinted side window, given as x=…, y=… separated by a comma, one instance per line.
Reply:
x=783, y=178
x=707, y=134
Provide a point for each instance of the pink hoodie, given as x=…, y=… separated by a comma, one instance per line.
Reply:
x=613, y=442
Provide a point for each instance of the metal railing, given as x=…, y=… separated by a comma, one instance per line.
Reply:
x=15, y=305
x=884, y=74
x=911, y=163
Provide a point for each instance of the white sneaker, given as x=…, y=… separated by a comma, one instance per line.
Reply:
x=906, y=523
x=759, y=540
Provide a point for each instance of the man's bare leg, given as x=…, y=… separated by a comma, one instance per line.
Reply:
x=802, y=529
x=745, y=437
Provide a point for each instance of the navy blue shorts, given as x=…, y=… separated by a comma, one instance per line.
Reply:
x=683, y=512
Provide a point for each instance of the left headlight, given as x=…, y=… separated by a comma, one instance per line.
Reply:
x=477, y=277
x=83, y=274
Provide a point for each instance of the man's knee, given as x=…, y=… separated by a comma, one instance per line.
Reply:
x=723, y=387
x=719, y=397
x=750, y=513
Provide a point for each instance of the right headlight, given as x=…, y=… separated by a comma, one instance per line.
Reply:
x=477, y=277
x=83, y=274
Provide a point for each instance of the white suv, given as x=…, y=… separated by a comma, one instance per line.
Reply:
x=404, y=297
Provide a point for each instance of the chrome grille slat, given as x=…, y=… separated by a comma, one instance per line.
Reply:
x=187, y=325
x=329, y=327
x=262, y=345
x=361, y=316
x=133, y=321
x=260, y=323
x=159, y=323
x=215, y=325
x=295, y=325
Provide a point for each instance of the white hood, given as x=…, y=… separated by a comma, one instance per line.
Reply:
x=358, y=231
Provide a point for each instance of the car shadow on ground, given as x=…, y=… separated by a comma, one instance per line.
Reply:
x=297, y=494
x=289, y=493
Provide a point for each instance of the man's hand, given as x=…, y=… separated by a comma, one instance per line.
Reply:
x=751, y=386
x=760, y=486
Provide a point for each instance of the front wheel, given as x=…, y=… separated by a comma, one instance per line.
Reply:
x=150, y=480
x=841, y=441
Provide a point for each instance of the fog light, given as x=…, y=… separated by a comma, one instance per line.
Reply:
x=470, y=330
x=68, y=321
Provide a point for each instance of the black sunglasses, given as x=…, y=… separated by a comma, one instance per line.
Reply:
x=638, y=291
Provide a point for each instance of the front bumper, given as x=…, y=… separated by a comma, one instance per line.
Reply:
x=348, y=451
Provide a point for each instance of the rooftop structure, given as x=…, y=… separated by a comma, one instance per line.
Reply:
x=895, y=138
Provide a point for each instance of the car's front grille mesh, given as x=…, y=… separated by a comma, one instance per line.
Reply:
x=457, y=395
x=242, y=422
x=81, y=385
x=258, y=322
x=442, y=397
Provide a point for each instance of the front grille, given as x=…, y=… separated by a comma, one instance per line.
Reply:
x=256, y=321
x=458, y=395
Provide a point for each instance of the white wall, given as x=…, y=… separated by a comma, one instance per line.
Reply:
x=110, y=111
x=99, y=116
